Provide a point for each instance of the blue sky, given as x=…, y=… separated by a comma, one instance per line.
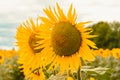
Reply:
x=14, y=12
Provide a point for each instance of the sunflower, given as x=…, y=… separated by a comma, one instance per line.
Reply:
x=115, y=52
x=101, y=52
x=29, y=57
x=9, y=53
x=1, y=57
x=92, y=78
x=69, y=78
x=36, y=74
x=64, y=40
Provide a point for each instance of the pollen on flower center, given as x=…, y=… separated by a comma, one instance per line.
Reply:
x=66, y=39
x=32, y=43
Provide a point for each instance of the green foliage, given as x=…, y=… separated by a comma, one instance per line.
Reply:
x=108, y=34
x=9, y=70
x=109, y=65
x=100, y=69
x=58, y=77
x=99, y=73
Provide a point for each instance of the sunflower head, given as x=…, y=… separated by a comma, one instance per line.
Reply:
x=66, y=39
x=1, y=57
x=33, y=43
x=29, y=55
x=28, y=39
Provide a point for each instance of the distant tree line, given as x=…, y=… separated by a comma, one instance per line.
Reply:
x=108, y=34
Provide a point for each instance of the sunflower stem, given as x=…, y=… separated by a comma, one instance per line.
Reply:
x=79, y=74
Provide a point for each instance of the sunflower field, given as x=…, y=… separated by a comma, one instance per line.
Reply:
x=58, y=47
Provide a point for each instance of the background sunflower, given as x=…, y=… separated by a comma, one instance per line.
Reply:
x=29, y=57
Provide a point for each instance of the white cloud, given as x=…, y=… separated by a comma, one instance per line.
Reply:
x=3, y=47
x=17, y=11
x=20, y=10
